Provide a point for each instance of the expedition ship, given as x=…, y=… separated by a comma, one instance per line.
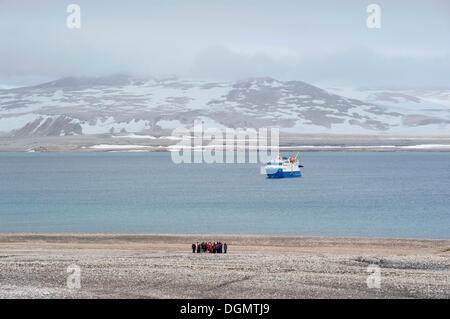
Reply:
x=283, y=167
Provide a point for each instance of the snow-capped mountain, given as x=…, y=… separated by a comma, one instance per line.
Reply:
x=119, y=103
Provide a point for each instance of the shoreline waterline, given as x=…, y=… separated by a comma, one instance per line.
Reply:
x=183, y=235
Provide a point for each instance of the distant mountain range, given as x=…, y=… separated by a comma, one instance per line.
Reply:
x=119, y=104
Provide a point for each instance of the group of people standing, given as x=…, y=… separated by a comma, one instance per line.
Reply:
x=209, y=247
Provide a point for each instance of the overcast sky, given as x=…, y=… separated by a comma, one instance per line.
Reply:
x=322, y=42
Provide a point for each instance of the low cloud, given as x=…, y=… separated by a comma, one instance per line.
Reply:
x=358, y=67
x=319, y=42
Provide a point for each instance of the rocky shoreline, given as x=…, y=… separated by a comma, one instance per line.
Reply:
x=163, y=266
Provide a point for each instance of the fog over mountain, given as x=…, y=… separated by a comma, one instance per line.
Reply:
x=147, y=67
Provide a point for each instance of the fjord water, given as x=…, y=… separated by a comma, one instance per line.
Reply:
x=340, y=194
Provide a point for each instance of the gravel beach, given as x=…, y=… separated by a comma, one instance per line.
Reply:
x=163, y=266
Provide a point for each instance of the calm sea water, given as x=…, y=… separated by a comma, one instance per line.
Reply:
x=344, y=194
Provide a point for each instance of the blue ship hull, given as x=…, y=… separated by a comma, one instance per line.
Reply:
x=281, y=174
